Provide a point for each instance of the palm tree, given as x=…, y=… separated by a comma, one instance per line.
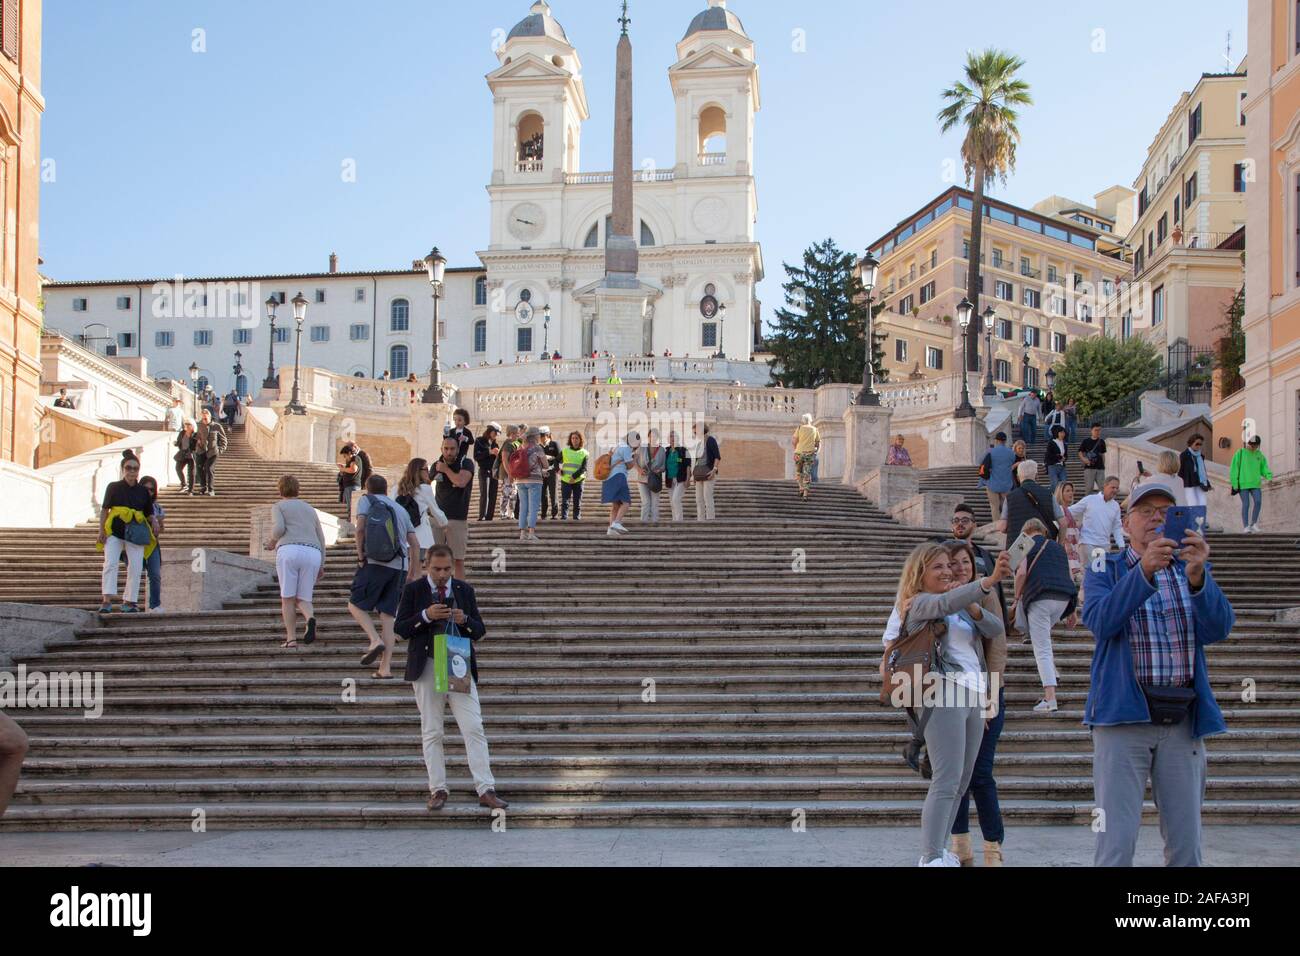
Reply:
x=985, y=103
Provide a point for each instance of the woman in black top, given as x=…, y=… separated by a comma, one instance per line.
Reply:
x=486, y=452
x=187, y=446
x=115, y=539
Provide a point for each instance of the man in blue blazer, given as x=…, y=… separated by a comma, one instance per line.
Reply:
x=1152, y=609
x=427, y=603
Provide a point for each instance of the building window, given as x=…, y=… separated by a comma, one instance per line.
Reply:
x=320, y=333
x=1151, y=243
x=1085, y=313
x=164, y=340
x=359, y=333
x=1178, y=207
x=1004, y=291
x=1033, y=299
x=281, y=335
x=400, y=316
x=480, y=336
x=1189, y=192
x=480, y=291
x=278, y=296
x=934, y=258
x=1139, y=259
x=905, y=305
x=997, y=258
x=9, y=27
x=593, y=237
x=1053, y=275
x=1126, y=326
x=243, y=336
x=1241, y=109
x=1057, y=305
x=126, y=340
x=1158, y=306
x=320, y=296
x=1002, y=370
x=900, y=350
x=1238, y=177
x=1058, y=342
x=1025, y=268
x=78, y=305
x=202, y=338
x=1004, y=329
x=1143, y=201
x=1162, y=228
x=1193, y=124
x=933, y=357
x=523, y=340
x=647, y=236
x=1031, y=377
x=398, y=362
x=927, y=292
x=965, y=254
x=1033, y=336
x=709, y=335
x=124, y=302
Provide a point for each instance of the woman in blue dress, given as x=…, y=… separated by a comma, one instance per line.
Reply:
x=615, y=491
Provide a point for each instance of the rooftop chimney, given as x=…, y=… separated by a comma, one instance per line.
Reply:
x=334, y=262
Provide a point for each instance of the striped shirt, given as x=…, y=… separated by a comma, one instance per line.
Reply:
x=1162, y=634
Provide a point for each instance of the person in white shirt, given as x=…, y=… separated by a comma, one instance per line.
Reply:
x=1099, y=521
x=175, y=416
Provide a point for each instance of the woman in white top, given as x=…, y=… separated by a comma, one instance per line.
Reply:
x=299, y=545
x=414, y=487
x=953, y=732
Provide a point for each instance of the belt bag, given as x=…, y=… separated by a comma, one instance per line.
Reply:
x=1168, y=705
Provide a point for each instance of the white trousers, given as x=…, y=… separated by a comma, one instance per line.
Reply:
x=1194, y=497
x=704, y=500
x=113, y=549
x=1043, y=614
x=649, y=502
x=678, y=499
x=465, y=708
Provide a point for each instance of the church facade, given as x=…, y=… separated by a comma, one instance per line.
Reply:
x=531, y=293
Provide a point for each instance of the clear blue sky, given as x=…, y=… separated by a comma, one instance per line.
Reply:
x=229, y=161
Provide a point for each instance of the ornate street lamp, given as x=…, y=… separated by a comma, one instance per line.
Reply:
x=272, y=378
x=722, y=331
x=1051, y=378
x=1025, y=377
x=868, y=396
x=238, y=369
x=990, y=390
x=194, y=386
x=964, y=310
x=436, y=265
x=299, y=303
x=546, y=329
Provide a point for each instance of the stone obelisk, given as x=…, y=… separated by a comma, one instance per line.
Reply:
x=621, y=300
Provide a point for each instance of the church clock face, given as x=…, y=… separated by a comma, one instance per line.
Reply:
x=526, y=221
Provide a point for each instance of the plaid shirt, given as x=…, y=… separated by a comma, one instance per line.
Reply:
x=1162, y=633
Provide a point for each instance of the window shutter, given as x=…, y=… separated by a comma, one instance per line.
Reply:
x=9, y=28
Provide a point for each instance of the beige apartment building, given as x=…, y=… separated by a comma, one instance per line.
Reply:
x=1187, y=240
x=1044, y=272
x=21, y=106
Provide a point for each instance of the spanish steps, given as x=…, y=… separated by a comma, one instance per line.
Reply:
x=697, y=674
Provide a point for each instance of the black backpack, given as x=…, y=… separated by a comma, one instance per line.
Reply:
x=412, y=508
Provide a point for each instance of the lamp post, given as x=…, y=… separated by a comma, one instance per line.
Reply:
x=722, y=331
x=436, y=265
x=272, y=379
x=546, y=329
x=1025, y=362
x=964, y=310
x=299, y=303
x=194, y=386
x=238, y=369
x=990, y=390
x=868, y=396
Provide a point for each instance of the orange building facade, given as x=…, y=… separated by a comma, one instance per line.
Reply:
x=21, y=107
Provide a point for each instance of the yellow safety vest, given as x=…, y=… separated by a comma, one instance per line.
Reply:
x=570, y=461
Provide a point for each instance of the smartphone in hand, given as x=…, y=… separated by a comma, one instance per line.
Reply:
x=1180, y=519
x=1019, y=550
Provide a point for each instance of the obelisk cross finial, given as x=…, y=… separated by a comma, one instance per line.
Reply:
x=624, y=19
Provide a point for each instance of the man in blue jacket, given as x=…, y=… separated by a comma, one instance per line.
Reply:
x=1152, y=608
x=996, y=468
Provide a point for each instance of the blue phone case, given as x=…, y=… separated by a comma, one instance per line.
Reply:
x=1180, y=519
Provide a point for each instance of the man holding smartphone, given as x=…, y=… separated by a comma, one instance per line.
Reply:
x=1152, y=608
x=427, y=604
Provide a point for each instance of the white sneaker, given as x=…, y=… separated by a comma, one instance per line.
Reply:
x=950, y=858
x=940, y=861
x=1045, y=707
x=611, y=533
x=617, y=526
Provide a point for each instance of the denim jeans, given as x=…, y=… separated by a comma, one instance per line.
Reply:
x=1029, y=428
x=571, y=492
x=530, y=502
x=982, y=785
x=153, y=568
x=1249, y=495
x=816, y=466
x=1057, y=475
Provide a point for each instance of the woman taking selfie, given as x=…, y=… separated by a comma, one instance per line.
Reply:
x=952, y=732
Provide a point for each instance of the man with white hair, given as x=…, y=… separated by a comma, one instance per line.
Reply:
x=1030, y=500
x=807, y=440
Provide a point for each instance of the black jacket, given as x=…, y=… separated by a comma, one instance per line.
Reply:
x=1054, y=455
x=552, y=450
x=411, y=627
x=683, y=466
x=212, y=440
x=186, y=445
x=1030, y=500
x=1049, y=575
x=1187, y=471
x=483, y=456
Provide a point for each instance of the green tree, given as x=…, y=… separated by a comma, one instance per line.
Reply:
x=985, y=104
x=1098, y=371
x=819, y=334
x=1232, y=345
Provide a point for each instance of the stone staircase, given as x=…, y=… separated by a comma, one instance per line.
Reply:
x=718, y=674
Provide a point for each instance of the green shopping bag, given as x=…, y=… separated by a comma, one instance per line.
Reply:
x=451, y=656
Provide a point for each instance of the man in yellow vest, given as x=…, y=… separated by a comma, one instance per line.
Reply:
x=615, y=393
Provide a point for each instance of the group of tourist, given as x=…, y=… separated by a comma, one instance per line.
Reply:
x=130, y=523
x=1152, y=606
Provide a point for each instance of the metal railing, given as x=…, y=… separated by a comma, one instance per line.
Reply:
x=713, y=159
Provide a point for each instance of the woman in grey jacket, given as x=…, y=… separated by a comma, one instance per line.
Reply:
x=954, y=727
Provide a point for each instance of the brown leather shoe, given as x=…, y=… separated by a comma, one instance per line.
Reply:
x=437, y=800
x=492, y=801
